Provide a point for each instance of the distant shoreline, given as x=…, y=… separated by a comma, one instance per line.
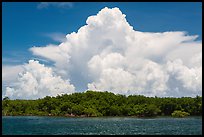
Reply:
x=82, y=116
x=97, y=116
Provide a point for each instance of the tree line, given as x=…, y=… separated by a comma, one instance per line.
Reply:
x=95, y=104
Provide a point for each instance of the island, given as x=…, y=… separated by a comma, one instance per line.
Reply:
x=98, y=104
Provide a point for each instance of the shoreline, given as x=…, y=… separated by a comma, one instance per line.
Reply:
x=97, y=116
x=74, y=116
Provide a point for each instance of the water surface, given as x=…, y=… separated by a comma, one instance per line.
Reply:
x=37, y=125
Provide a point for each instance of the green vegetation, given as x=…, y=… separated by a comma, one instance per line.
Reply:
x=179, y=113
x=91, y=104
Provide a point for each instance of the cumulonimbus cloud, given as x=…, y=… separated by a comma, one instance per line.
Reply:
x=109, y=55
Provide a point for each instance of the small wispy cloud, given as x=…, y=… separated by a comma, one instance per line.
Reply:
x=15, y=57
x=7, y=60
x=56, y=36
x=44, y=5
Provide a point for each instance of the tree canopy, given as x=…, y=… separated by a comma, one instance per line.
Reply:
x=92, y=103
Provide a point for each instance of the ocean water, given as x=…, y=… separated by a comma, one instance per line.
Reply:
x=39, y=125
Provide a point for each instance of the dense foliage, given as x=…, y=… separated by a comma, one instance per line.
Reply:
x=179, y=113
x=91, y=103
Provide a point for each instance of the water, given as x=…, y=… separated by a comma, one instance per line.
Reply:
x=34, y=125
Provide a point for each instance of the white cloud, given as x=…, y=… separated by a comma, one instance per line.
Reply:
x=108, y=54
x=58, y=54
x=10, y=73
x=43, y=5
x=190, y=79
x=150, y=80
x=37, y=81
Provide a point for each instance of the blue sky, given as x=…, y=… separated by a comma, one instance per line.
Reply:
x=25, y=25
x=29, y=28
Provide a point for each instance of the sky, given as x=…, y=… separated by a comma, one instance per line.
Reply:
x=149, y=48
